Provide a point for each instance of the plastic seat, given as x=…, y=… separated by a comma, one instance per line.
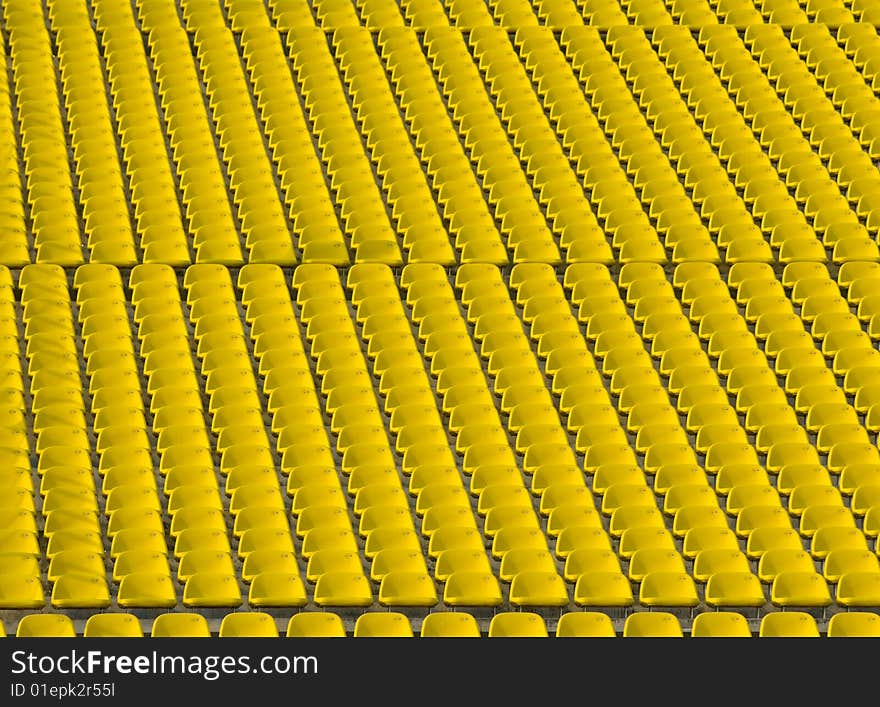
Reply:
x=825, y=516
x=854, y=624
x=79, y=591
x=383, y=625
x=537, y=588
x=668, y=589
x=75, y=561
x=517, y=625
x=315, y=625
x=859, y=589
x=586, y=624
x=472, y=589
x=580, y=538
x=209, y=589
x=269, y=589
x=845, y=561
x=248, y=625
x=800, y=589
x=789, y=624
x=113, y=626
x=647, y=560
x=726, y=589
x=407, y=588
x=146, y=589
x=720, y=624
x=45, y=626
x=180, y=625
x=836, y=538
x=657, y=624
x=449, y=625
x=610, y=589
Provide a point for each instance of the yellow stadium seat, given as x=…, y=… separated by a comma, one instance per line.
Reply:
x=315, y=625
x=209, y=589
x=471, y=589
x=248, y=625
x=343, y=589
x=605, y=589
x=449, y=625
x=113, y=626
x=789, y=624
x=854, y=624
x=383, y=625
x=45, y=626
x=596, y=319
x=858, y=589
x=269, y=589
x=180, y=625
x=720, y=624
x=146, y=589
x=800, y=589
x=517, y=625
x=587, y=624
x=79, y=591
x=657, y=624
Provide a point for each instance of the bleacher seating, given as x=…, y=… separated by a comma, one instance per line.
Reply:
x=440, y=318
